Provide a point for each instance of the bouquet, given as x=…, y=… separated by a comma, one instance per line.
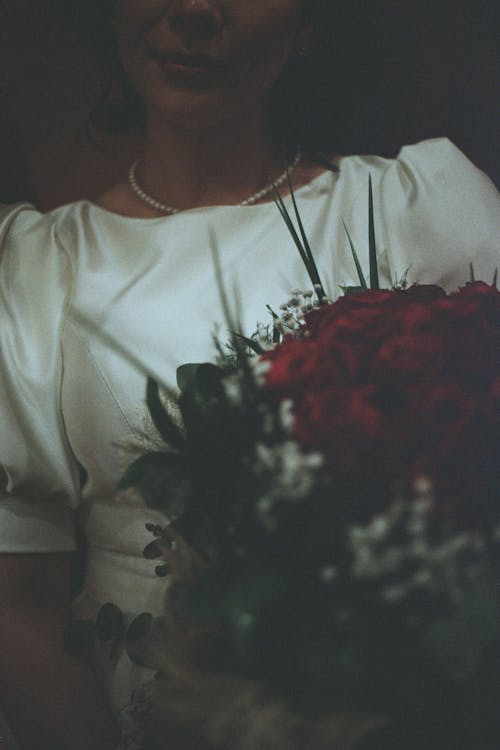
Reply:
x=333, y=528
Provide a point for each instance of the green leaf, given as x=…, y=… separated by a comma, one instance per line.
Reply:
x=162, y=479
x=276, y=333
x=163, y=422
x=154, y=529
x=110, y=623
x=456, y=644
x=306, y=257
x=232, y=323
x=347, y=290
x=307, y=248
x=359, y=270
x=145, y=641
x=374, y=280
x=251, y=343
x=79, y=637
x=205, y=378
x=153, y=550
x=136, y=637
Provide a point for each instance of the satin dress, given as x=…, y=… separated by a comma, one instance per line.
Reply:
x=92, y=302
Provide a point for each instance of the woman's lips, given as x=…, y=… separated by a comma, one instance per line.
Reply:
x=189, y=67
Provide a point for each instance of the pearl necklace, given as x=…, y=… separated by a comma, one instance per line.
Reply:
x=169, y=210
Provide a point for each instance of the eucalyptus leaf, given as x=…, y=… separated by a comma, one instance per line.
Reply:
x=110, y=623
x=153, y=550
x=145, y=641
x=154, y=529
x=136, y=635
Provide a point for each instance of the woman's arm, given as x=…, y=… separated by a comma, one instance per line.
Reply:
x=51, y=700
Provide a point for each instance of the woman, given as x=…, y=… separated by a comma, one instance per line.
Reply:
x=94, y=296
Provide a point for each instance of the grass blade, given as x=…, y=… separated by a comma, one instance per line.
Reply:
x=359, y=270
x=288, y=221
x=374, y=280
x=306, y=258
x=161, y=419
x=315, y=278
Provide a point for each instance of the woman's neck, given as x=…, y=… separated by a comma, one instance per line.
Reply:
x=191, y=168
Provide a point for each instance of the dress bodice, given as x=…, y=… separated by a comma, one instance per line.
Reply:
x=91, y=303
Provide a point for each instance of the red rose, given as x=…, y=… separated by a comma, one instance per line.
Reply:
x=410, y=356
x=447, y=410
x=477, y=290
x=293, y=363
x=474, y=299
x=348, y=316
x=343, y=409
x=424, y=292
x=391, y=385
x=353, y=432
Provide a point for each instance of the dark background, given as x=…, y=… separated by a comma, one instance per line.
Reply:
x=405, y=71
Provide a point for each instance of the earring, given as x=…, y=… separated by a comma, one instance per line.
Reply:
x=302, y=46
x=301, y=51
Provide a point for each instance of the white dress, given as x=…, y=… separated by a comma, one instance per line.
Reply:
x=92, y=302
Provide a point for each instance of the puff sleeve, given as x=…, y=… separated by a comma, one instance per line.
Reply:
x=39, y=477
x=439, y=215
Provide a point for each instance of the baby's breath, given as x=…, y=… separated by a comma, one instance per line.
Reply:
x=396, y=551
x=291, y=316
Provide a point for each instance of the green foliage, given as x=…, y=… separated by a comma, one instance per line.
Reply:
x=162, y=479
x=301, y=242
x=274, y=582
x=136, y=639
x=161, y=419
x=456, y=644
x=110, y=624
x=146, y=640
x=359, y=270
x=374, y=280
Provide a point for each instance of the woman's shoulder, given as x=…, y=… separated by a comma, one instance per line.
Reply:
x=437, y=212
x=33, y=259
x=436, y=163
x=27, y=232
x=429, y=177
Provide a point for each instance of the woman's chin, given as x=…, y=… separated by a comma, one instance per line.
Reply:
x=192, y=111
